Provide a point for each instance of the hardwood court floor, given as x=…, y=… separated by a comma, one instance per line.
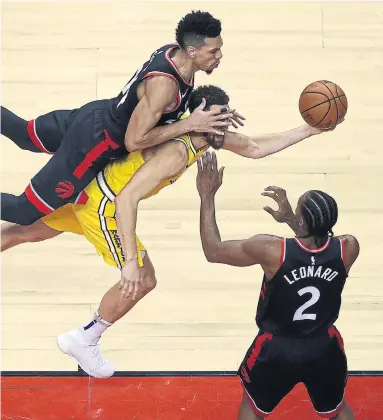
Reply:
x=201, y=317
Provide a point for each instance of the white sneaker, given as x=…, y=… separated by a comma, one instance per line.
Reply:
x=88, y=356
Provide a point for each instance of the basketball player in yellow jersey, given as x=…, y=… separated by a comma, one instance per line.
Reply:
x=106, y=215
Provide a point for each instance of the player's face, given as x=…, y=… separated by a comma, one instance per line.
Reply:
x=215, y=141
x=208, y=57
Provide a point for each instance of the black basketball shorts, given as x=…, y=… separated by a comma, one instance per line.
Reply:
x=273, y=365
x=81, y=147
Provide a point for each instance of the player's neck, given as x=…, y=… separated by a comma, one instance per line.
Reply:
x=184, y=65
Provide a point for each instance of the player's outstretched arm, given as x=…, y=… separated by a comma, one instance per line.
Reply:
x=160, y=93
x=254, y=250
x=169, y=160
x=257, y=147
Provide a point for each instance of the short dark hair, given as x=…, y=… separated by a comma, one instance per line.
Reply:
x=213, y=95
x=195, y=27
x=320, y=212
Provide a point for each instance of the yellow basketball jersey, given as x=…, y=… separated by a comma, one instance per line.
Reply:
x=117, y=174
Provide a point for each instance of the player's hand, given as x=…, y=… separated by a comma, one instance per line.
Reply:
x=314, y=130
x=216, y=121
x=130, y=283
x=284, y=212
x=209, y=178
x=237, y=118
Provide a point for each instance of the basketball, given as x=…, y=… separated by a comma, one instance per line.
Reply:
x=323, y=104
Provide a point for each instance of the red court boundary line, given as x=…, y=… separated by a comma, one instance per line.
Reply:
x=33, y=373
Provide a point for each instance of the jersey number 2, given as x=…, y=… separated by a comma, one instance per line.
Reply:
x=315, y=295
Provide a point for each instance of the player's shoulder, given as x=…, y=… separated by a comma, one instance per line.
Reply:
x=181, y=144
x=350, y=244
x=161, y=57
x=175, y=148
x=348, y=240
x=350, y=249
x=267, y=240
x=266, y=248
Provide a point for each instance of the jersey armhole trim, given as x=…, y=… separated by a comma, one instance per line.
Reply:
x=341, y=249
x=167, y=57
x=185, y=144
x=170, y=76
x=283, y=251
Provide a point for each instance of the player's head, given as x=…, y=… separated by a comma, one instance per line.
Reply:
x=216, y=98
x=199, y=35
x=319, y=213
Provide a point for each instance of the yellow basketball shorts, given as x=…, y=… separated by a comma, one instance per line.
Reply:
x=98, y=228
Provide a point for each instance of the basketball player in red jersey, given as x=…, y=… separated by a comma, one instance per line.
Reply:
x=144, y=114
x=299, y=301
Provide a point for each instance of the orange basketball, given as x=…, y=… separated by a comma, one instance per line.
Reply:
x=323, y=104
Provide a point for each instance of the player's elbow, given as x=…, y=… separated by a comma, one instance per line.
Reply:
x=259, y=154
x=134, y=138
x=211, y=259
x=262, y=152
x=126, y=201
x=133, y=144
x=211, y=255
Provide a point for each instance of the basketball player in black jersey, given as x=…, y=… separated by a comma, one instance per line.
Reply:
x=144, y=114
x=299, y=301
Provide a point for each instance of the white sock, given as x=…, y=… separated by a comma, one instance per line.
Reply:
x=91, y=332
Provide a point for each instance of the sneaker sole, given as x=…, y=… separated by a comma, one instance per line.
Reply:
x=62, y=345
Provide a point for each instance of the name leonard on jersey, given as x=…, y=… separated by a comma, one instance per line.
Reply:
x=310, y=271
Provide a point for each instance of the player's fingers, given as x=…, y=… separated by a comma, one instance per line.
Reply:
x=205, y=161
x=270, y=211
x=223, y=124
x=237, y=114
x=199, y=165
x=129, y=289
x=273, y=196
x=237, y=120
x=214, y=130
x=220, y=117
x=234, y=124
x=123, y=286
x=221, y=174
x=214, y=164
x=270, y=194
x=202, y=104
x=135, y=290
x=209, y=162
x=220, y=112
x=274, y=189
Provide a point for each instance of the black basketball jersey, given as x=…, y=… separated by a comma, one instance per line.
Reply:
x=121, y=108
x=304, y=296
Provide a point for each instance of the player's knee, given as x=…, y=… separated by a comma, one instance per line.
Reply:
x=148, y=274
x=149, y=279
x=18, y=209
x=13, y=234
x=34, y=236
x=150, y=282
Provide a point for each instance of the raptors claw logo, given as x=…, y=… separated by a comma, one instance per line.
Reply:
x=65, y=189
